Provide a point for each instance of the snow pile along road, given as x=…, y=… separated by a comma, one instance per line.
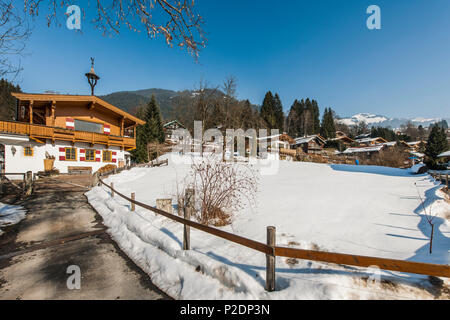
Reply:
x=372, y=211
x=10, y=215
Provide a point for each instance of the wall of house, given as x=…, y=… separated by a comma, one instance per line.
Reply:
x=97, y=115
x=18, y=162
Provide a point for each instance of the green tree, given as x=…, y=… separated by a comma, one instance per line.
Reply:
x=268, y=110
x=153, y=127
x=278, y=113
x=7, y=101
x=327, y=129
x=247, y=115
x=437, y=143
x=151, y=131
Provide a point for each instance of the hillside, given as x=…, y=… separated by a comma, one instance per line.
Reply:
x=130, y=100
x=167, y=99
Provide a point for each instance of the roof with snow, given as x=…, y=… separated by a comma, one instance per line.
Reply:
x=444, y=154
x=308, y=139
x=365, y=140
x=364, y=149
x=173, y=122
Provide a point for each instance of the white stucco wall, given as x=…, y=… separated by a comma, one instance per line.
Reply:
x=18, y=162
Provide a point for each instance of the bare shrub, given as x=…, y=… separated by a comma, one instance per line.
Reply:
x=392, y=157
x=221, y=189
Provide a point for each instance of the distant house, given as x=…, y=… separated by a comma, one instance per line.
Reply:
x=169, y=128
x=369, y=150
x=341, y=136
x=415, y=145
x=363, y=136
x=309, y=144
x=366, y=142
x=274, y=143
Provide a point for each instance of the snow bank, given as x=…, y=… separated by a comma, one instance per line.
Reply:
x=10, y=215
x=373, y=211
x=415, y=168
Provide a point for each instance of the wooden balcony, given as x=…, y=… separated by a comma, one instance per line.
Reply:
x=41, y=133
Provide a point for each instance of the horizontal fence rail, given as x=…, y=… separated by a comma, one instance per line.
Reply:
x=329, y=257
x=364, y=261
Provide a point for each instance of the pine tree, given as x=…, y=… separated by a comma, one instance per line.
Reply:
x=315, y=117
x=151, y=131
x=437, y=143
x=268, y=110
x=328, y=129
x=7, y=101
x=278, y=113
x=247, y=115
x=153, y=128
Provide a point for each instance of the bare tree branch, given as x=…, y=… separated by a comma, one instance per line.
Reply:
x=14, y=31
x=181, y=26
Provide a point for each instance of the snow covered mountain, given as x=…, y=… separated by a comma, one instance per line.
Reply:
x=383, y=121
x=363, y=117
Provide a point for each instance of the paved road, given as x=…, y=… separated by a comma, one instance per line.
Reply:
x=62, y=229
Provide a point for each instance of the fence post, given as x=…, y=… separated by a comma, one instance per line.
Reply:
x=133, y=197
x=188, y=208
x=29, y=183
x=112, y=189
x=95, y=179
x=270, y=260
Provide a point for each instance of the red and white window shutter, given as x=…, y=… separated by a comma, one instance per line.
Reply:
x=62, y=154
x=106, y=129
x=82, y=155
x=114, y=156
x=98, y=156
x=70, y=123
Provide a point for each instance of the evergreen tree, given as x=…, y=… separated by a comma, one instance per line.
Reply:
x=437, y=143
x=268, y=110
x=7, y=101
x=151, y=131
x=293, y=120
x=278, y=113
x=247, y=115
x=315, y=113
x=328, y=129
x=153, y=128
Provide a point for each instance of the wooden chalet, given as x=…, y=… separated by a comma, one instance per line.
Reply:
x=310, y=144
x=169, y=128
x=76, y=131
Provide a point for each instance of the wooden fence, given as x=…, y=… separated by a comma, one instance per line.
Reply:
x=271, y=250
x=27, y=181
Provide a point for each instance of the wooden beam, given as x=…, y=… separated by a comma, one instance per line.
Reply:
x=53, y=117
x=30, y=111
x=122, y=123
x=91, y=105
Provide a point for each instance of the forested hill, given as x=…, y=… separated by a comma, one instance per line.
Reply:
x=130, y=100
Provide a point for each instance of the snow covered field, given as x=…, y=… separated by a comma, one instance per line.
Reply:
x=373, y=211
x=10, y=215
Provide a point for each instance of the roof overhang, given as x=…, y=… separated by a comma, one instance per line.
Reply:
x=76, y=98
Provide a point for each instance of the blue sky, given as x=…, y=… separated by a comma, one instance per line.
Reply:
x=319, y=49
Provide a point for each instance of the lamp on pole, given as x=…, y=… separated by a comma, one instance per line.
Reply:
x=92, y=77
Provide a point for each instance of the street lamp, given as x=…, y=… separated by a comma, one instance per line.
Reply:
x=92, y=77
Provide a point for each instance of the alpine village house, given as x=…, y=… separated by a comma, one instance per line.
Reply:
x=77, y=131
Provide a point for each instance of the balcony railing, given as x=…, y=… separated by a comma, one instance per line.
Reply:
x=38, y=132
